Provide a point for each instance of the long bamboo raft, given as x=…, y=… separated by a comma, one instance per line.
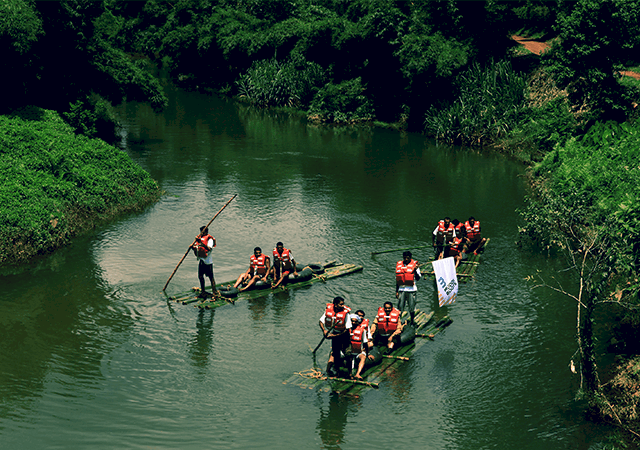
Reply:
x=372, y=376
x=467, y=268
x=332, y=269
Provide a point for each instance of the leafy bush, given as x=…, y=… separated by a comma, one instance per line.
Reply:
x=537, y=130
x=486, y=107
x=57, y=183
x=92, y=116
x=342, y=103
x=593, y=182
x=272, y=83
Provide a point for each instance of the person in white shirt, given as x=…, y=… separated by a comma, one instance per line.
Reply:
x=407, y=273
x=202, y=249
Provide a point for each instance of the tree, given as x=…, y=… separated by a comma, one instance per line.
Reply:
x=20, y=29
x=587, y=207
x=595, y=39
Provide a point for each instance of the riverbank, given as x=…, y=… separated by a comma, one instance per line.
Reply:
x=58, y=184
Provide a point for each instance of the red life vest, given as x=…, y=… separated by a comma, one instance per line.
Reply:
x=285, y=258
x=473, y=232
x=404, y=274
x=388, y=324
x=259, y=264
x=356, y=337
x=338, y=318
x=456, y=246
x=201, y=248
x=445, y=231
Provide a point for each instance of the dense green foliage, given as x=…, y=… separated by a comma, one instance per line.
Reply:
x=55, y=183
x=587, y=205
x=595, y=183
x=342, y=103
x=61, y=53
x=271, y=83
x=404, y=53
x=487, y=101
x=595, y=40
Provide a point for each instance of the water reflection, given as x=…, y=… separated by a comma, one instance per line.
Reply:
x=58, y=320
x=202, y=343
x=334, y=418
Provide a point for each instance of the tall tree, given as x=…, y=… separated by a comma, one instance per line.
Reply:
x=595, y=39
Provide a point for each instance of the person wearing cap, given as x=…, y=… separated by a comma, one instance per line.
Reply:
x=358, y=334
x=335, y=324
x=202, y=247
x=407, y=273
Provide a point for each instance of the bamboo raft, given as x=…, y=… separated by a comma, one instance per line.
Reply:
x=332, y=269
x=372, y=376
x=467, y=267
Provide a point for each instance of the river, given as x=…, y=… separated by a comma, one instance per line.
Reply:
x=94, y=356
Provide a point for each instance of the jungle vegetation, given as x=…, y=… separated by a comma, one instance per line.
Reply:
x=446, y=68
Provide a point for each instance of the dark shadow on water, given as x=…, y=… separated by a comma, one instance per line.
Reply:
x=202, y=343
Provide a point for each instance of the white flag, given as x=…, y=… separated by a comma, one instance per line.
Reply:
x=446, y=279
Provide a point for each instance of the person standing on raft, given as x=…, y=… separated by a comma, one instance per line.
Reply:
x=283, y=264
x=441, y=237
x=335, y=324
x=202, y=249
x=407, y=273
x=258, y=270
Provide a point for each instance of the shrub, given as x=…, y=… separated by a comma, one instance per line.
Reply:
x=342, y=103
x=273, y=83
x=57, y=183
x=487, y=103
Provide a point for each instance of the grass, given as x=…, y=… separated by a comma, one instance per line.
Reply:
x=57, y=184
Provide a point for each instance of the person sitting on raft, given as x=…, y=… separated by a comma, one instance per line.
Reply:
x=474, y=235
x=386, y=326
x=257, y=271
x=459, y=243
x=357, y=351
x=365, y=324
x=335, y=324
x=283, y=264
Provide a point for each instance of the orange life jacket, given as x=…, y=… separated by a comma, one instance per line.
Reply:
x=388, y=324
x=285, y=258
x=473, y=232
x=356, y=337
x=405, y=274
x=339, y=319
x=201, y=248
x=259, y=264
x=445, y=232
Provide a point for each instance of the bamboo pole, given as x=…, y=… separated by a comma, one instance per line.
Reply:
x=194, y=241
x=400, y=249
x=403, y=358
x=349, y=380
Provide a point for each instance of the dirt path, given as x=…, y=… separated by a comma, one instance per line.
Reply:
x=537, y=48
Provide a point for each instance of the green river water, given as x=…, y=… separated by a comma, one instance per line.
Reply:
x=94, y=357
